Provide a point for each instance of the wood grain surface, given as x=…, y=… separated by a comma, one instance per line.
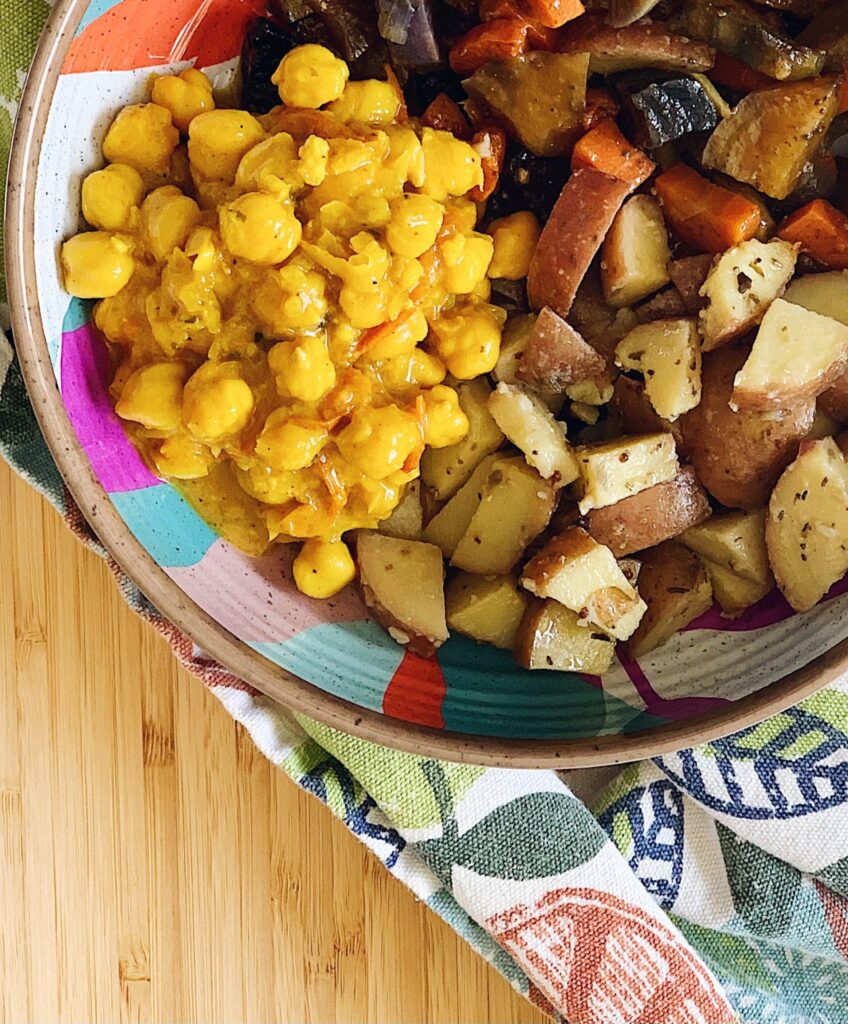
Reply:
x=153, y=866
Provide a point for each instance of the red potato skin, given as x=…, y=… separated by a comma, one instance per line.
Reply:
x=834, y=401
x=638, y=416
x=688, y=276
x=557, y=356
x=665, y=305
x=577, y=226
x=652, y=516
x=647, y=44
x=739, y=456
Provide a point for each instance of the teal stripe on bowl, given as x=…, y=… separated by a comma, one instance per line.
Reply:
x=352, y=660
x=166, y=525
x=488, y=694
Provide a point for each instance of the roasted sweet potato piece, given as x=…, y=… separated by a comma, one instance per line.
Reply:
x=445, y=114
x=771, y=135
x=651, y=517
x=500, y=39
x=635, y=46
x=556, y=356
x=572, y=236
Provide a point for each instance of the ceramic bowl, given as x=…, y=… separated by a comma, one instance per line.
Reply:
x=328, y=660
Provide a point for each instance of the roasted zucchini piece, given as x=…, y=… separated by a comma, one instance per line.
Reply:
x=540, y=96
x=772, y=135
x=739, y=30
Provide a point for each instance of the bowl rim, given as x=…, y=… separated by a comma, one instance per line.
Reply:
x=275, y=682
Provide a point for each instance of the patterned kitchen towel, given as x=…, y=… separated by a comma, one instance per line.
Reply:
x=705, y=887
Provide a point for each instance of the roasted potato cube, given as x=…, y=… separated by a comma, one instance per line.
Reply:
x=530, y=425
x=668, y=354
x=771, y=135
x=572, y=236
x=516, y=337
x=445, y=470
x=741, y=286
x=807, y=524
x=407, y=520
x=556, y=356
x=826, y=294
x=796, y=356
x=584, y=576
x=489, y=609
x=635, y=253
x=414, y=616
x=519, y=92
x=650, y=517
x=591, y=392
x=555, y=638
x=516, y=506
x=734, y=594
x=631, y=567
x=833, y=403
x=601, y=325
x=737, y=542
x=448, y=525
x=617, y=469
x=676, y=588
x=635, y=46
x=738, y=456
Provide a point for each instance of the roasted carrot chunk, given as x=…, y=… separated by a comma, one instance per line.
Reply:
x=554, y=13
x=600, y=106
x=607, y=150
x=706, y=216
x=500, y=39
x=490, y=143
x=822, y=231
x=446, y=115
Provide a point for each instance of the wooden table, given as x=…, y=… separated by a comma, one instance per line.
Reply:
x=154, y=867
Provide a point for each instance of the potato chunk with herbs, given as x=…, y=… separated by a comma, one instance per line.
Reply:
x=530, y=425
x=489, y=609
x=554, y=638
x=668, y=354
x=584, y=576
x=741, y=286
x=618, y=469
x=796, y=356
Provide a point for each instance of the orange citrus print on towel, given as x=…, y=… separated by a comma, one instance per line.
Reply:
x=139, y=34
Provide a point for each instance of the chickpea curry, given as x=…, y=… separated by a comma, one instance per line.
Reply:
x=507, y=283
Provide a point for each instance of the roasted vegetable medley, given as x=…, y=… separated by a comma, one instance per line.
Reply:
x=556, y=295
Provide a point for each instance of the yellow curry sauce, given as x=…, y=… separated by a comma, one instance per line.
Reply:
x=285, y=296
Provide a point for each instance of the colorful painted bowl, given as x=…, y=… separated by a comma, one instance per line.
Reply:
x=328, y=660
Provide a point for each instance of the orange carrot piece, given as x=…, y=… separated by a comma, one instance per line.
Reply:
x=600, y=106
x=500, y=39
x=381, y=331
x=607, y=150
x=737, y=75
x=822, y=231
x=490, y=142
x=539, y=37
x=554, y=13
x=706, y=216
x=446, y=115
